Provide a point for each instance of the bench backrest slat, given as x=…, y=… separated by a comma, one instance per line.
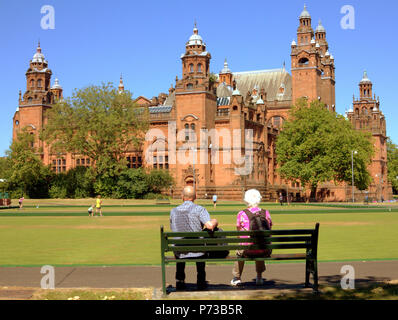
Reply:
x=239, y=233
x=238, y=247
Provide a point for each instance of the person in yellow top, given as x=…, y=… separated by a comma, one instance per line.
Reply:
x=98, y=205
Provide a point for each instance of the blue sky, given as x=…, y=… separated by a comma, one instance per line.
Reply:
x=95, y=41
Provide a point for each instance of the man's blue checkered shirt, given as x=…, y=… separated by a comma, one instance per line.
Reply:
x=188, y=217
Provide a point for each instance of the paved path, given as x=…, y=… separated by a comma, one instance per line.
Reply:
x=287, y=275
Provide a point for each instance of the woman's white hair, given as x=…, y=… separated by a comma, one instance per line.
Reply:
x=252, y=197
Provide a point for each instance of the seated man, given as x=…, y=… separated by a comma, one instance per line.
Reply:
x=190, y=217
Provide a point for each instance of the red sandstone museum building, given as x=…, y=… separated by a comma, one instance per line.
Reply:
x=258, y=100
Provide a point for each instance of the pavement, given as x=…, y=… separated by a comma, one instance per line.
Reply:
x=278, y=276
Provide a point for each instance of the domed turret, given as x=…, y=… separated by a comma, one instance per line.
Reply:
x=320, y=27
x=305, y=14
x=365, y=78
x=195, y=39
x=38, y=56
x=56, y=84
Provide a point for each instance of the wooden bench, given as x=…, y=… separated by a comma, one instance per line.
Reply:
x=306, y=239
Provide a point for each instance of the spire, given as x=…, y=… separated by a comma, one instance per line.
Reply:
x=365, y=78
x=38, y=56
x=195, y=38
x=121, y=85
x=226, y=68
x=56, y=84
x=305, y=14
x=320, y=27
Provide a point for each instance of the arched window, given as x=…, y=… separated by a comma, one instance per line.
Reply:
x=39, y=83
x=32, y=83
x=191, y=67
x=189, y=86
x=193, y=133
x=199, y=67
x=186, y=132
x=304, y=61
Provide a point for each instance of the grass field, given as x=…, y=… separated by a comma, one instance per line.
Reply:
x=61, y=233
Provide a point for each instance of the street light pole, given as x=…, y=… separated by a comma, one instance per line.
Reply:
x=193, y=167
x=352, y=173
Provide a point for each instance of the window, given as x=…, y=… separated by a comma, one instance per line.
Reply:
x=39, y=83
x=32, y=144
x=189, y=86
x=186, y=132
x=199, y=67
x=155, y=162
x=162, y=162
x=83, y=162
x=304, y=61
x=59, y=165
x=134, y=162
x=191, y=68
x=193, y=133
x=32, y=83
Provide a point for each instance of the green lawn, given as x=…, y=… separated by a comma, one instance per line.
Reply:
x=128, y=234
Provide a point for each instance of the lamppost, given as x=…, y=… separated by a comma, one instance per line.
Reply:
x=352, y=173
x=193, y=169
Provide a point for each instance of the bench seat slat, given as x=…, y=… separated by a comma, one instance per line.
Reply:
x=291, y=256
x=236, y=240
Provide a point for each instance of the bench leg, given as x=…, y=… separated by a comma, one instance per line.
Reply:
x=315, y=275
x=307, y=273
x=164, y=278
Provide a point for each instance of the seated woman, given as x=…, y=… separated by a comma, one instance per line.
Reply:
x=253, y=199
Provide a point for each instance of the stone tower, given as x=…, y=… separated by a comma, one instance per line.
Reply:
x=38, y=97
x=367, y=116
x=313, y=70
x=196, y=105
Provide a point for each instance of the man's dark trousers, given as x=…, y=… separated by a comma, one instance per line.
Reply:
x=200, y=269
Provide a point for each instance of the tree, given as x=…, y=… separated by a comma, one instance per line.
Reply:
x=159, y=180
x=98, y=122
x=101, y=123
x=28, y=175
x=392, y=160
x=315, y=146
x=5, y=168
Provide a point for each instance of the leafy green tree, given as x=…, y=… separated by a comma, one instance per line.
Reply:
x=28, y=176
x=101, y=123
x=315, y=146
x=5, y=167
x=132, y=183
x=76, y=183
x=159, y=180
x=392, y=160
